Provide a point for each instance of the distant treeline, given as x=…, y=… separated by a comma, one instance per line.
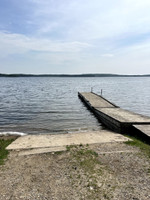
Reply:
x=71, y=75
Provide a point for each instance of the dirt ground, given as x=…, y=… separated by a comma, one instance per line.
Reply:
x=116, y=171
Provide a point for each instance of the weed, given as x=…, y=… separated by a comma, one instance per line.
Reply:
x=86, y=159
x=3, y=151
x=58, y=152
x=87, y=171
x=145, y=148
x=148, y=171
x=69, y=147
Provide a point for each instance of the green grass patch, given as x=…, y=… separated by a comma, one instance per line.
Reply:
x=145, y=148
x=85, y=157
x=88, y=172
x=3, y=151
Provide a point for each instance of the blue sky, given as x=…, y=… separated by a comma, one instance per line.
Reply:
x=75, y=36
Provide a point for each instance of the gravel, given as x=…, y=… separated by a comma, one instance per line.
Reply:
x=124, y=175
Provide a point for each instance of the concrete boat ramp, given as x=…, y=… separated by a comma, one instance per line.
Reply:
x=35, y=144
x=115, y=118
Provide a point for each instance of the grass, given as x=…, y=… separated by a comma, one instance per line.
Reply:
x=84, y=157
x=87, y=159
x=88, y=172
x=145, y=148
x=3, y=151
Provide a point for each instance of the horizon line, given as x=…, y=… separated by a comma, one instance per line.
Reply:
x=68, y=74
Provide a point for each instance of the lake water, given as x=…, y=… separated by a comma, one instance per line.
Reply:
x=38, y=105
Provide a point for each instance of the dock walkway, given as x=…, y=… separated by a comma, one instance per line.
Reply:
x=115, y=118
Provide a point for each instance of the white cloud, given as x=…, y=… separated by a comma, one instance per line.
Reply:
x=22, y=52
x=17, y=43
x=86, y=20
x=107, y=55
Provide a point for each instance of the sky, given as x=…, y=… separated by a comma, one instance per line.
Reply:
x=75, y=36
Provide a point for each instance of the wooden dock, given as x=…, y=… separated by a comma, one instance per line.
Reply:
x=115, y=118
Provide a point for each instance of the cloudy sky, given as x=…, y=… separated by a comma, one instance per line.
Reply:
x=75, y=36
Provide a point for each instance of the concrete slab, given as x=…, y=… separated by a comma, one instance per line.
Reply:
x=144, y=129
x=96, y=101
x=56, y=141
x=125, y=116
x=40, y=151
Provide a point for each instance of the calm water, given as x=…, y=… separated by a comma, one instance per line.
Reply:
x=51, y=105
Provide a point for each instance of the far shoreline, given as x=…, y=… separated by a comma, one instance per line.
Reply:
x=73, y=75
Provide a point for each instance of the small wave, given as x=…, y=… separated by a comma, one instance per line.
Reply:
x=12, y=133
x=83, y=130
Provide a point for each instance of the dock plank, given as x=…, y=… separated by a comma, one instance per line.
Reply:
x=96, y=101
x=144, y=129
x=124, y=115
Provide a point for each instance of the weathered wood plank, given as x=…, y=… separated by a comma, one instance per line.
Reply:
x=96, y=101
x=125, y=116
x=143, y=128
